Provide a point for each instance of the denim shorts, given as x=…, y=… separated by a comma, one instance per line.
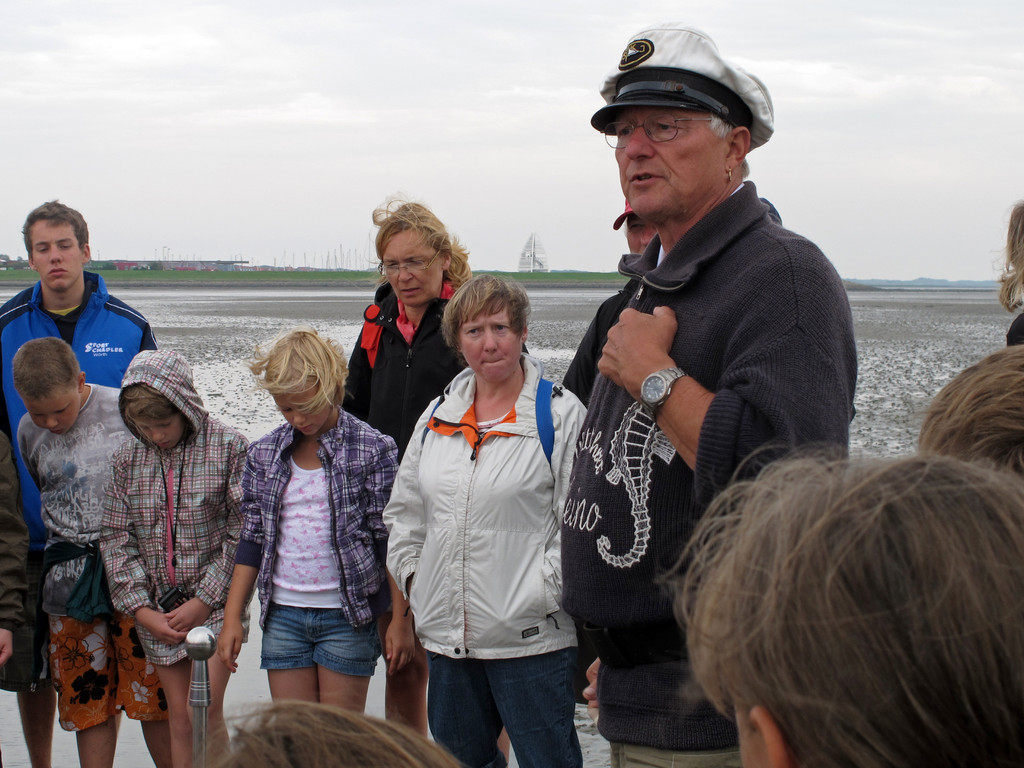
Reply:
x=294, y=638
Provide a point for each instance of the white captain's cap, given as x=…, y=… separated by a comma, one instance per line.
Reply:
x=671, y=65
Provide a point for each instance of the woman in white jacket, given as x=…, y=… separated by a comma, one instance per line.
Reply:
x=474, y=523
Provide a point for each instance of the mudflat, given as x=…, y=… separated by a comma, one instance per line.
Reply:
x=910, y=343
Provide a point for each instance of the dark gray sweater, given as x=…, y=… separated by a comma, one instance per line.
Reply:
x=764, y=323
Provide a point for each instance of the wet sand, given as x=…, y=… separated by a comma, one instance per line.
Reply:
x=910, y=343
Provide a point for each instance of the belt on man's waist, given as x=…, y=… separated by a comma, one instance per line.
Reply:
x=633, y=646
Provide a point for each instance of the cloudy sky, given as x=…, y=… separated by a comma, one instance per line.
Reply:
x=269, y=131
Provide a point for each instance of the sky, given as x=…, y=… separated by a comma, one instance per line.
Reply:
x=269, y=131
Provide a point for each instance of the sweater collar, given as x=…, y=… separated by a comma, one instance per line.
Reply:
x=703, y=243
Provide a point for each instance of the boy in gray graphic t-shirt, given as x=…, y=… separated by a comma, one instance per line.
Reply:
x=66, y=439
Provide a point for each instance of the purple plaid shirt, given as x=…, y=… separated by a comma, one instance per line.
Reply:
x=360, y=463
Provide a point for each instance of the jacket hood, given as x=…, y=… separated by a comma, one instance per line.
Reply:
x=167, y=372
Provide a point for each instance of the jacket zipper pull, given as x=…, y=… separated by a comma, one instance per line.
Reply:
x=408, y=358
x=639, y=292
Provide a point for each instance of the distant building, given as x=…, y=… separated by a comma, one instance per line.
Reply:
x=8, y=263
x=533, y=258
x=202, y=265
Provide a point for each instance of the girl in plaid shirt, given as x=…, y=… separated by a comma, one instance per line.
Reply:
x=171, y=522
x=313, y=538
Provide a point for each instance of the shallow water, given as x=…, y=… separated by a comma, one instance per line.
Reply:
x=910, y=343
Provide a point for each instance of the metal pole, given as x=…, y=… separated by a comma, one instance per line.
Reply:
x=200, y=644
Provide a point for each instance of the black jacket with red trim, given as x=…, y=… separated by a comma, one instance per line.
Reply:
x=390, y=383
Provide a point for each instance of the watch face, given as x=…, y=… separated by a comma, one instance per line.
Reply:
x=653, y=389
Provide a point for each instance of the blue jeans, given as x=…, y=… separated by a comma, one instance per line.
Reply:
x=295, y=637
x=469, y=700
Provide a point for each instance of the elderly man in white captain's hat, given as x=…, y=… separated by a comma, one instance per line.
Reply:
x=738, y=343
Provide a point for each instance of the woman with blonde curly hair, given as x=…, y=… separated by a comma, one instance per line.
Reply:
x=401, y=363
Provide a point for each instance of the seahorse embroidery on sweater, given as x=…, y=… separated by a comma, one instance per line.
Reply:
x=634, y=445
x=590, y=442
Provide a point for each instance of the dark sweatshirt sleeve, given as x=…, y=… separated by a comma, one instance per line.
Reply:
x=790, y=379
x=1015, y=335
x=579, y=378
x=792, y=393
x=357, y=385
x=13, y=543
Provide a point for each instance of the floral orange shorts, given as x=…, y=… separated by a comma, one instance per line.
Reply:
x=98, y=668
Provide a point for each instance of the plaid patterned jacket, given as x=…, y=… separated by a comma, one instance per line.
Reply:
x=360, y=463
x=206, y=488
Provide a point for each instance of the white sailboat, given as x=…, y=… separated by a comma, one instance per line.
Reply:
x=533, y=258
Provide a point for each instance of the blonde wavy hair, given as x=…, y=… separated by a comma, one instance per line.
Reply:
x=1011, y=292
x=397, y=216
x=298, y=360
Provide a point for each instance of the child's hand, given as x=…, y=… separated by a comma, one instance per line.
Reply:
x=156, y=623
x=229, y=643
x=6, y=645
x=191, y=613
x=399, y=642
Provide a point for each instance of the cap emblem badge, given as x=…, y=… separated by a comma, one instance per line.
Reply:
x=637, y=52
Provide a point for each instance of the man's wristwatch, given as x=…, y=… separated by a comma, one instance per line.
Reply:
x=657, y=387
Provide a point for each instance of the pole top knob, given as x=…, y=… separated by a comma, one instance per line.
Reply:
x=200, y=643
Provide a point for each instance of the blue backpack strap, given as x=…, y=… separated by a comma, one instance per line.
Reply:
x=545, y=425
x=426, y=428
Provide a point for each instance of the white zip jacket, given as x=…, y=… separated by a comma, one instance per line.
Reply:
x=480, y=528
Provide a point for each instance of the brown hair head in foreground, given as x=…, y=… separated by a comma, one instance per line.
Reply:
x=873, y=609
x=300, y=734
x=979, y=415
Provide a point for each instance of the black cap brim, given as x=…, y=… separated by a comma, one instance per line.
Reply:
x=676, y=88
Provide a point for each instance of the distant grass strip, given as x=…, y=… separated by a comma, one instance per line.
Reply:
x=140, y=278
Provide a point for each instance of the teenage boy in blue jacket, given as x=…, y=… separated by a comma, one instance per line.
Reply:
x=106, y=334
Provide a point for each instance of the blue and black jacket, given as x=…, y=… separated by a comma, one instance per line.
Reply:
x=108, y=334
